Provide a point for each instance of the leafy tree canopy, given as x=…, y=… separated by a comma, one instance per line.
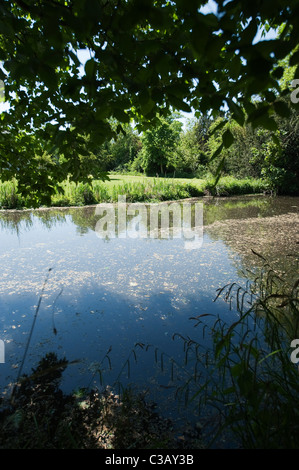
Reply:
x=145, y=57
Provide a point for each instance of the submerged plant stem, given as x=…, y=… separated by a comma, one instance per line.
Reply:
x=31, y=332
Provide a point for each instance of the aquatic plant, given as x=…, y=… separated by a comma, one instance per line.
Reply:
x=247, y=375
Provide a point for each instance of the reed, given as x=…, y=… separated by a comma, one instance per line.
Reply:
x=9, y=197
x=246, y=376
x=69, y=193
x=230, y=186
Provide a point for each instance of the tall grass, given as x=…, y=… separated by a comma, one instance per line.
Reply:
x=229, y=186
x=146, y=190
x=151, y=190
x=73, y=194
x=141, y=191
x=9, y=197
x=247, y=375
x=154, y=190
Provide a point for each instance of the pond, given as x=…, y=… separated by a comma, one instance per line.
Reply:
x=113, y=304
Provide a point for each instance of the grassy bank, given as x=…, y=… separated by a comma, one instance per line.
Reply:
x=136, y=189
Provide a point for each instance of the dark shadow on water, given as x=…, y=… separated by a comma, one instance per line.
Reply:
x=117, y=342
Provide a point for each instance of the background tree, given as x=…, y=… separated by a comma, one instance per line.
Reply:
x=124, y=149
x=259, y=153
x=158, y=153
x=193, y=146
x=242, y=161
x=119, y=152
x=280, y=163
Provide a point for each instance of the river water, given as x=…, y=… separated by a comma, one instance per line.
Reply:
x=117, y=305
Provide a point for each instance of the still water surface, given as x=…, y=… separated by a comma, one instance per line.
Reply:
x=109, y=295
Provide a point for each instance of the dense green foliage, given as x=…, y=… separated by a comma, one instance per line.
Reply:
x=143, y=59
x=168, y=150
x=158, y=150
x=253, y=163
x=258, y=154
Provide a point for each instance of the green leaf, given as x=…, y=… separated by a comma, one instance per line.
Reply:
x=282, y=109
x=179, y=104
x=90, y=68
x=219, y=170
x=218, y=127
x=143, y=97
x=121, y=116
x=237, y=369
x=120, y=129
x=278, y=72
x=266, y=122
x=269, y=355
x=217, y=152
x=294, y=60
x=246, y=384
x=49, y=76
x=199, y=38
x=258, y=112
x=237, y=112
x=227, y=138
x=219, y=346
x=249, y=32
x=260, y=118
x=276, y=140
x=146, y=109
x=2, y=94
x=74, y=58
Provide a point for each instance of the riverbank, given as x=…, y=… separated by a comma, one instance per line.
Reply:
x=135, y=188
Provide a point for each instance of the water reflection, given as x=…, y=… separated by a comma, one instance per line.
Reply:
x=215, y=209
x=119, y=292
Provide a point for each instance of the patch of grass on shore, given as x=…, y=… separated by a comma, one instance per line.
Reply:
x=9, y=197
x=135, y=188
x=230, y=186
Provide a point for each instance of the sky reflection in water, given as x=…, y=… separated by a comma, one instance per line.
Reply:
x=103, y=295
